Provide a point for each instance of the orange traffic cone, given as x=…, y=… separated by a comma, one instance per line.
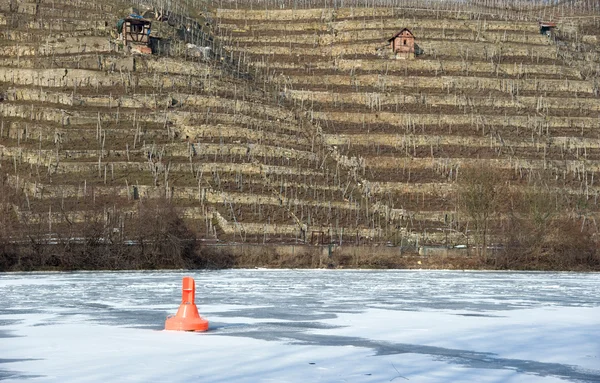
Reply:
x=187, y=317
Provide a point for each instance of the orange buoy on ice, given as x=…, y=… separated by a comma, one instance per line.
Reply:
x=187, y=317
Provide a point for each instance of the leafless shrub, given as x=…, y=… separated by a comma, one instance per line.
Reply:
x=481, y=196
x=161, y=237
x=540, y=235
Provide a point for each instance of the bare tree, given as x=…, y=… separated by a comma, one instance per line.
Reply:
x=163, y=240
x=530, y=223
x=8, y=225
x=481, y=194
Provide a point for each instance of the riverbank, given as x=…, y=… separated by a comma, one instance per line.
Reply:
x=61, y=257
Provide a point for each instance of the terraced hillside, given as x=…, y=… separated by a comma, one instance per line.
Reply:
x=294, y=125
x=90, y=133
x=487, y=92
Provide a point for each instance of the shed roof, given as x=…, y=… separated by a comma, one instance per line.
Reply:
x=399, y=33
x=547, y=24
x=137, y=21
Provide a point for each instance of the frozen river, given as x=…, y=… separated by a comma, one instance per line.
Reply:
x=302, y=326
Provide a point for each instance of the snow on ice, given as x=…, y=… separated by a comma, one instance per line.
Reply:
x=302, y=326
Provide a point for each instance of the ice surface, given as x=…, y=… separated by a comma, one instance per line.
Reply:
x=302, y=326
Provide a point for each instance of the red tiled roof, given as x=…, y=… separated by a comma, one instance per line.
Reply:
x=399, y=33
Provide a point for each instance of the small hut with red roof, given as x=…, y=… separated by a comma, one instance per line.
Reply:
x=403, y=44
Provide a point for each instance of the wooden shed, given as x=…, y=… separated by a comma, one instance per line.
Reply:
x=403, y=44
x=136, y=30
x=547, y=27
